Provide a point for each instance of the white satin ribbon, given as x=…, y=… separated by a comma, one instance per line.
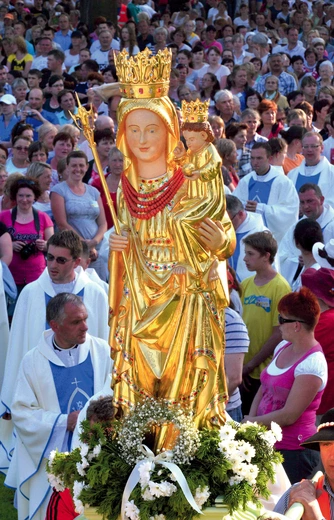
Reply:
x=161, y=459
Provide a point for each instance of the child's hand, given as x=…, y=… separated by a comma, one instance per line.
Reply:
x=180, y=150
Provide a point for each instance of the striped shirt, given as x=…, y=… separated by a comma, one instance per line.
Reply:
x=237, y=342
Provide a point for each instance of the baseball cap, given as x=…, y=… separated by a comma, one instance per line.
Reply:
x=8, y=99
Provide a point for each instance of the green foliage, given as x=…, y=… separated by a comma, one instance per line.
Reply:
x=101, y=467
x=7, y=510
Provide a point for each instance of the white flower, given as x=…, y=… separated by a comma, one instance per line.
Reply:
x=251, y=474
x=79, y=506
x=145, y=469
x=246, y=451
x=52, y=455
x=97, y=450
x=236, y=479
x=56, y=482
x=77, y=488
x=277, y=431
x=80, y=469
x=147, y=495
x=227, y=432
x=131, y=510
x=158, y=517
x=269, y=437
x=84, y=448
x=201, y=495
x=167, y=489
x=164, y=489
x=172, y=477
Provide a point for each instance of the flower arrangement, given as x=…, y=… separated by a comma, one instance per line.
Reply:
x=114, y=470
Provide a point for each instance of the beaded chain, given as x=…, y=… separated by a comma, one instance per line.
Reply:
x=146, y=205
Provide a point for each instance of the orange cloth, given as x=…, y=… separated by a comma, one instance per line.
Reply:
x=323, y=499
x=289, y=164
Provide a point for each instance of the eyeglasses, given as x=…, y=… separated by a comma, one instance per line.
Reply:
x=282, y=320
x=21, y=148
x=311, y=146
x=59, y=259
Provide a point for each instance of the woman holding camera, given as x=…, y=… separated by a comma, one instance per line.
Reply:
x=29, y=229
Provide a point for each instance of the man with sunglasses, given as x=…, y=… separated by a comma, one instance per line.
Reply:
x=62, y=274
x=55, y=381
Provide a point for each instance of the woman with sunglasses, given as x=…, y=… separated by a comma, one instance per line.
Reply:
x=293, y=383
x=29, y=229
x=19, y=162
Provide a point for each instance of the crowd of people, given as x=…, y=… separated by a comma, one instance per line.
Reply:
x=265, y=67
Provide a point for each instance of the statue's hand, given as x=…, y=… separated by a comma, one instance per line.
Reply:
x=212, y=234
x=213, y=273
x=180, y=150
x=179, y=269
x=118, y=242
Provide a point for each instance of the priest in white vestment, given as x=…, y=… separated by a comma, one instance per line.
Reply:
x=54, y=382
x=268, y=192
x=315, y=168
x=311, y=206
x=29, y=321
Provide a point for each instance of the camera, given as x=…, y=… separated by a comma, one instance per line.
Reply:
x=28, y=250
x=29, y=114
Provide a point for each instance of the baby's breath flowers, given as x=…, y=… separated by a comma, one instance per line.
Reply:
x=150, y=415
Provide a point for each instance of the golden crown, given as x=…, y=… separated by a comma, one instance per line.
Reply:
x=144, y=76
x=195, y=111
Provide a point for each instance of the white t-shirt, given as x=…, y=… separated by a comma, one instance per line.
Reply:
x=315, y=364
x=71, y=61
x=238, y=21
x=10, y=168
x=101, y=58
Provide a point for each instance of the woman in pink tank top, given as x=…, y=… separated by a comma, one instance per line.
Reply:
x=293, y=383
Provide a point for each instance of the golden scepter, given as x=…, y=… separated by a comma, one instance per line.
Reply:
x=84, y=121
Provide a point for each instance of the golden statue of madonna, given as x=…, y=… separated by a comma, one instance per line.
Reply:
x=173, y=242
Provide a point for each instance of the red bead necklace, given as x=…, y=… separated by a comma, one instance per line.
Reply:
x=147, y=205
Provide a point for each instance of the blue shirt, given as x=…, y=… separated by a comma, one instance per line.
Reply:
x=35, y=123
x=62, y=119
x=5, y=131
x=63, y=41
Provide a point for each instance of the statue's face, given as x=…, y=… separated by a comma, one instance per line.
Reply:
x=146, y=135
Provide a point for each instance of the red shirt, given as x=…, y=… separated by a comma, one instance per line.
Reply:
x=61, y=506
x=324, y=335
x=98, y=185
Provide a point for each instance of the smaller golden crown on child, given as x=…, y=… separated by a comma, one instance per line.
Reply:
x=195, y=111
x=144, y=76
